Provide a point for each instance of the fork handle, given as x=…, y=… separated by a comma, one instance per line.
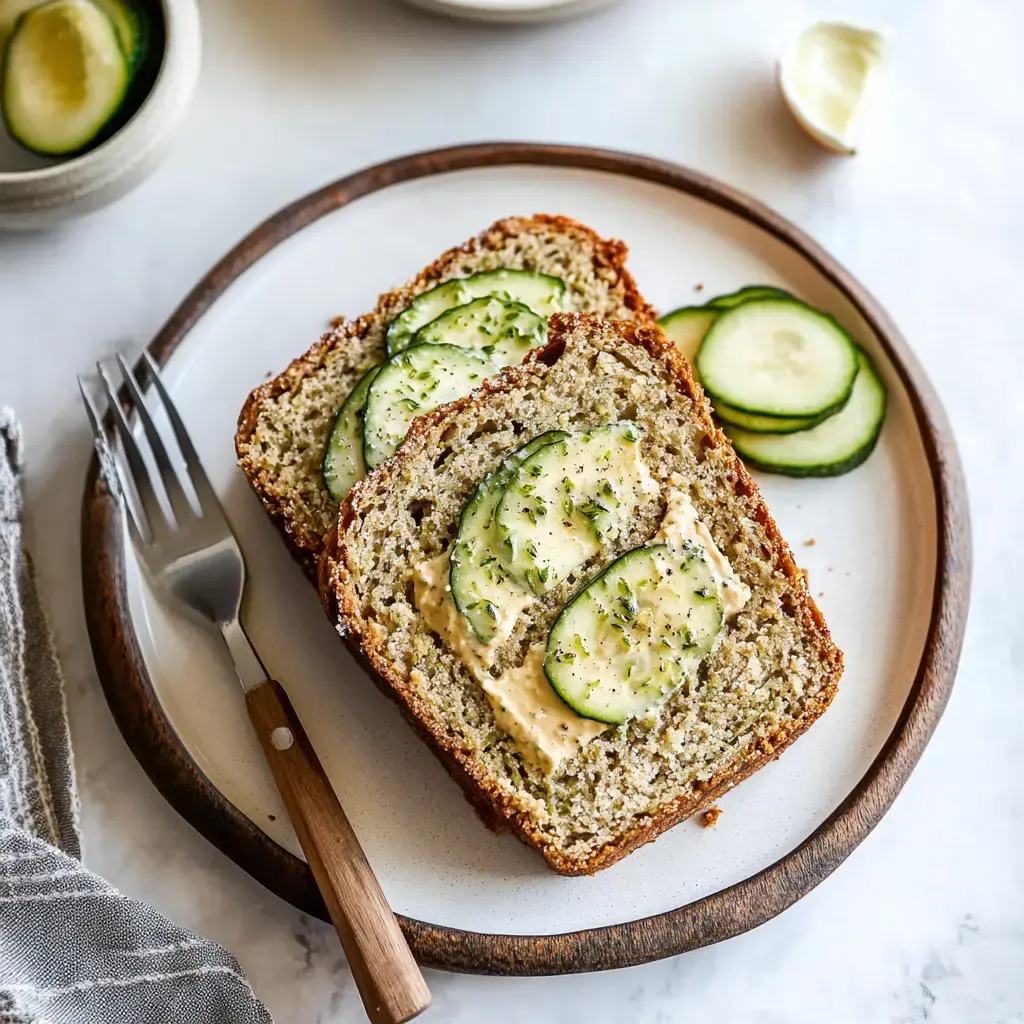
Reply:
x=389, y=980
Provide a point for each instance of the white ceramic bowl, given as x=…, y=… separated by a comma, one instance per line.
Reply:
x=41, y=197
x=512, y=11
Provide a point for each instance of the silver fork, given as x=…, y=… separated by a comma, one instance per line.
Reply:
x=195, y=558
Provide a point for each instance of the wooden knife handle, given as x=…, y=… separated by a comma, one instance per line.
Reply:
x=388, y=978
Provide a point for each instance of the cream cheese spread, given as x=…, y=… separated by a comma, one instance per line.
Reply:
x=433, y=596
x=681, y=524
x=545, y=729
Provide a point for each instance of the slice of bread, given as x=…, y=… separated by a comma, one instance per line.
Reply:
x=773, y=672
x=283, y=427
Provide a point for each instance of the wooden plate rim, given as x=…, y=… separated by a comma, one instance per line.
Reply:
x=723, y=914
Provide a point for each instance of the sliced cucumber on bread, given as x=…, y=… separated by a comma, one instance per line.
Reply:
x=482, y=588
x=64, y=77
x=778, y=357
x=494, y=332
x=540, y=292
x=413, y=383
x=629, y=638
x=343, y=458
x=835, y=446
x=501, y=329
x=569, y=500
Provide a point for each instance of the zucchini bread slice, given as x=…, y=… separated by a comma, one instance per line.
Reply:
x=284, y=424
x=771, y=673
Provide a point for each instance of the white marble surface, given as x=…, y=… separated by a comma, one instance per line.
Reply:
x=926, y=921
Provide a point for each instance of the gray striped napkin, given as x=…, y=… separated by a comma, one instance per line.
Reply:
x=73, y=950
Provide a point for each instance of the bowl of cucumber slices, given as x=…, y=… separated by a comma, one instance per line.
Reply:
x=91, y=93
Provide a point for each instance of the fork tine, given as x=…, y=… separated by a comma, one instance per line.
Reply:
x=175, y=492
x=108, y=463
x=96, y=422
x=139, y=542
x=208, y=500
x=150, y=512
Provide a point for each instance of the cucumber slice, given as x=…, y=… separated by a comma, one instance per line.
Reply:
x=748, y=294
x=630, y=637
x=778, y=357
x=504, y=331
x=130, y=24
x=343, y=461
x=412, y=383
x=767, y=424
x=64, y=77
x=569, y=500
x=132, y=29
x=832, y=448
x=540, y=292
x=686, y=328
x=481, y=586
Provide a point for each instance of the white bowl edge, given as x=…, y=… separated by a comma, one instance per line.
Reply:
x=40, y=198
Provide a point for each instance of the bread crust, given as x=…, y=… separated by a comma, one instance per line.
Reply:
x=304, y=544
x=366, y=639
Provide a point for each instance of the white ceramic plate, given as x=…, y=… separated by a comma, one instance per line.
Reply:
x=869, y=541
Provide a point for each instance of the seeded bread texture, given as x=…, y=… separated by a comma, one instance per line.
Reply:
x=774, y=671
x=283, y=427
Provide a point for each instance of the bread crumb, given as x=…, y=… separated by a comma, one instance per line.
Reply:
x=336, y=321
x=710, y=817
x=806, y=575
x=699, y=286
x=810, y=542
